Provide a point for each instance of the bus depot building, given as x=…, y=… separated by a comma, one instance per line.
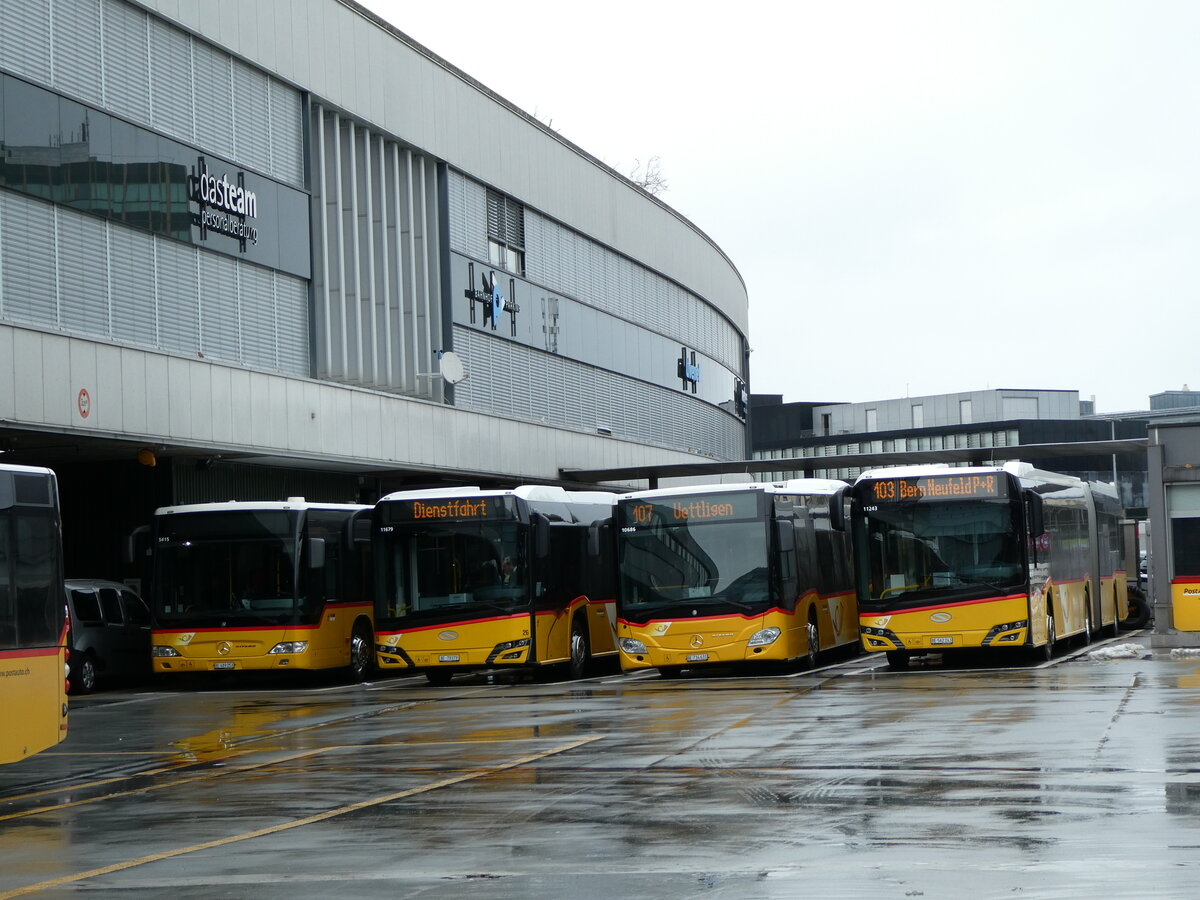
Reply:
x=251, y=251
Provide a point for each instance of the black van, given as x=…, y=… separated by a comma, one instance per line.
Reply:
x=110, y=633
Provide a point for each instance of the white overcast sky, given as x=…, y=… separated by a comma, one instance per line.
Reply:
x=922, y=197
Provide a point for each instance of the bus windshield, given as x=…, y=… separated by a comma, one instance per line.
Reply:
x=225, y=568
x=718, y=566
x=912, y=552
x=452, y=570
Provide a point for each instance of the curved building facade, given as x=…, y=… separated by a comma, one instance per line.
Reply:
x=251, y=231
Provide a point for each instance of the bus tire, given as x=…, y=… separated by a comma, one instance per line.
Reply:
x=362, y=653
x=1045, y=653
x=897, y=659
x=580, y=649
x=1139, y=610
x=439, y=677
x=813, y=635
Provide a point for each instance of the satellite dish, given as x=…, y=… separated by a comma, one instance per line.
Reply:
x=452, y=367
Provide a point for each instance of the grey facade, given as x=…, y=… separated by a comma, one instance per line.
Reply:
x=966, y=420
x=248, y=230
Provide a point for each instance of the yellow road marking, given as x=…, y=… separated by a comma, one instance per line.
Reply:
x=157, y=787
x=297, y=823
x=103, y=781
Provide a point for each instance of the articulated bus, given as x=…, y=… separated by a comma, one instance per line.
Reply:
x=750, y=573
x=469, y=579
x=33, y=626
x=997, y=557
x=263, y=586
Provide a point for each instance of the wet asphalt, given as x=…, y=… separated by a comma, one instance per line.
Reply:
x=1078, y=778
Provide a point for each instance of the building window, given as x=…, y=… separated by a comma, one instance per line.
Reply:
x=506, y=233
x=872, y=420
x=918, y=416
x=964, y=412
x=826, y=426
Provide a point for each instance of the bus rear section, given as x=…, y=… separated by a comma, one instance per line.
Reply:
x=971, y=558
x=468, y=579
x=33, y=627
x=730, y=574
x=246, y=586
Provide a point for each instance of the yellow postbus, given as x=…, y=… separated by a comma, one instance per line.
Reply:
x=752, y=573
x=469, y=579
x=33, y=627
x=261, y=586
x=998, y=557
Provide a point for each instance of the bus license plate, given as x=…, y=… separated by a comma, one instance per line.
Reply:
x=697, y=657
x=941, y=640
x=451, y=658
x=224, y=665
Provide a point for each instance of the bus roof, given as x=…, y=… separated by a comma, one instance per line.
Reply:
x=290, y=503
x=791, y=486
x=28, y=470
x=528, y=492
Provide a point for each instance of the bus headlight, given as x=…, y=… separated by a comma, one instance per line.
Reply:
x=163, y=651
x=629, y=645
x=289, y=647
x=764, y=637
x=511, y=645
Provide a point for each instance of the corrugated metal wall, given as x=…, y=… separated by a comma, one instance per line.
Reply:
x=71, y=272
x=514, y=380
x=220, y=481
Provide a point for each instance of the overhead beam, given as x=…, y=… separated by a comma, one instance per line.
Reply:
x=809, y=464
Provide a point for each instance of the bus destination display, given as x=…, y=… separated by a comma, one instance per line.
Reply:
x=681, y=510
x=936, y=487
x=453, y=509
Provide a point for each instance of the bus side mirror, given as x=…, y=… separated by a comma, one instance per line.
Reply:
x=837, y=511
x=315, y=548
x=541, y=535
x=1037, y=521
x=359, y=531
x=139, y=537
x=594, y=542
x=785, y=542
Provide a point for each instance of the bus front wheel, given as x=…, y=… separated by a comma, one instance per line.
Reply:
x=362, y=651
x=580, y=649
x=813, y=636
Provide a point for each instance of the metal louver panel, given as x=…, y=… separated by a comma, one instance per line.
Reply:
x=76, y=60
x=251, y=126
x=214, y=97
x=286, y=115
x=29, y=254
x=83, y=275
x=25, y=39
x=291, y=304
x=126, y=61
x=178, y=296
x=171, y=81
x=220, y=318
x=258, y=323
x=132, y=297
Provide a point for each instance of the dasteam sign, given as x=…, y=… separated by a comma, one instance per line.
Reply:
x=223, y=206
